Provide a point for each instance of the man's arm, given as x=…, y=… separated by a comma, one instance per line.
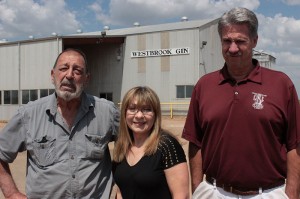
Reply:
x=293, y=174
x=195, y=160
x=7, y=184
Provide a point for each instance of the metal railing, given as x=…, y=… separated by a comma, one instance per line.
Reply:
x=174, y=108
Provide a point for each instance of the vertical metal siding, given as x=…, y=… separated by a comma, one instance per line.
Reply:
x=37, y=60
x=153, y=64
x=26, y=66
x=165, y=44
x=106, y=70
x=9, y=67
x=182, y=69
x=212, y=58
x=130, y=66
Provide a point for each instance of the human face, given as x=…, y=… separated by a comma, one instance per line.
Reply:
x=237, y=45
x=140, y=119
x=69, y=76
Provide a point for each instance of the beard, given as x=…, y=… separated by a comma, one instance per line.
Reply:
x=68, y=95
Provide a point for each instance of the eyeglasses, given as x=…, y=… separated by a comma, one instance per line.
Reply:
x=134, y=110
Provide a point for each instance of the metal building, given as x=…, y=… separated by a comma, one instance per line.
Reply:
x=169, y=58
x=264, y=59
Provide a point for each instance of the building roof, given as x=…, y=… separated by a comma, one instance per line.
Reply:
x=148, y=29
x=263, y=55
x=122, y=32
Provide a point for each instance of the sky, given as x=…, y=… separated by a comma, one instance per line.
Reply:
x=279, y=21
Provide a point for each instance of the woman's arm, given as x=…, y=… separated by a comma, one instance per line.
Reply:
x=178, y=180
x=118, y=193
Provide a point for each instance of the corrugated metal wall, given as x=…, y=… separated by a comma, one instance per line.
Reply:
x=106, y=69
x=26, y=65
x=164, y=73
x=211, y=53
x=9, y=67
x=37, y=60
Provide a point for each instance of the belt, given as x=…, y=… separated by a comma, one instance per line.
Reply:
x=240, y=191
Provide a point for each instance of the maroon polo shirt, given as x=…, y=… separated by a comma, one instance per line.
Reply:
x=244, y=129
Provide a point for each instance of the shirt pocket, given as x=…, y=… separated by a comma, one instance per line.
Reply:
x=44, y=151
x=95, y=146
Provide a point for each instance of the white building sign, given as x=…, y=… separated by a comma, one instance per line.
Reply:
x=160, y=52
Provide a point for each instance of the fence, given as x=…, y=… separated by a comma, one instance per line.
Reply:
x=174, y=108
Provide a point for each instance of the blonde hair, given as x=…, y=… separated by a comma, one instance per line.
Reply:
x=144, y=96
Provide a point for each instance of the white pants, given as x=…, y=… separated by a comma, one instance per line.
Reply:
x=208, y=191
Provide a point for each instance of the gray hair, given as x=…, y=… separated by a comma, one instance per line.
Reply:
x=239, y=16
x=74, y=50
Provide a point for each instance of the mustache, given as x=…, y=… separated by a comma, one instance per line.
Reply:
x=67, y=82
x=234, y=54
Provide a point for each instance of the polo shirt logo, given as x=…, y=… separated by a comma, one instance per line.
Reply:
x=258, y=99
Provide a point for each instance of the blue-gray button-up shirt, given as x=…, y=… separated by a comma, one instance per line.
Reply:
x=63, y=162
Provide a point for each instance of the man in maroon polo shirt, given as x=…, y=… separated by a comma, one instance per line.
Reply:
x=243, y=124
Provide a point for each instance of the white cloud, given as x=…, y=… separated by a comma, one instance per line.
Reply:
x=38, y=18
x=100, y=13
x=279, y=35
x=291, y=2
x=287, y=58
x=125, y=12
x=291, y=70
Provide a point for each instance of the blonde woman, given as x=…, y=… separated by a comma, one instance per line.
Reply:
x=148, y=162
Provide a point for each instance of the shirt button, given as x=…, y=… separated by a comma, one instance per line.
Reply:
x=73, y=176
x=236, y=93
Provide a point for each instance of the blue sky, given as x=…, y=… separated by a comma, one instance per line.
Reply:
x=279, y=20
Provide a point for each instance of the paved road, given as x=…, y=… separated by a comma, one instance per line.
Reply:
x=18, y=167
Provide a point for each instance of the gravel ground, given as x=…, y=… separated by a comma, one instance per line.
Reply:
x=18, y=167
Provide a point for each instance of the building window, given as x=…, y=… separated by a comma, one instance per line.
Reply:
x=29, y=95
x=46, y=92
x=184, y=91
x=108, y=96
x=11, y=97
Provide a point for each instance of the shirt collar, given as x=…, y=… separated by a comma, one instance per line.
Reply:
x=86, y=103
x=254, y=76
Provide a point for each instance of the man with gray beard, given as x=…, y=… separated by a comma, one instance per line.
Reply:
x=66, y=137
